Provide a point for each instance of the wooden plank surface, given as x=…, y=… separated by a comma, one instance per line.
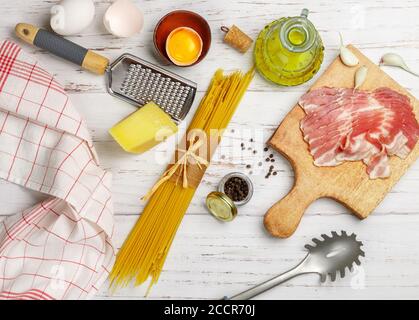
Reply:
x=347, y=183
x=209, y=259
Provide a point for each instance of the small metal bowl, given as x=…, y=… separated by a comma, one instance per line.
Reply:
x=238, y=175
x=177, y=19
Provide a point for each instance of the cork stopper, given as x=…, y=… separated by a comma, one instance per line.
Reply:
x=237, y=38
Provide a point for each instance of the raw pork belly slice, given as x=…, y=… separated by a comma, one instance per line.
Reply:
x=349, y=125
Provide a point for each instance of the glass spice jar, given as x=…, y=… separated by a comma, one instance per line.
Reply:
x=235, y=189
x=247, y=182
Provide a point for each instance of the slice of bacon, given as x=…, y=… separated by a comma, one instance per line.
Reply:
x=344, y=124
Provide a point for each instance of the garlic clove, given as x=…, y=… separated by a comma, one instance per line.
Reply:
x=360, y=76
x=347, y=56
x=395, y=60
x=392, y=59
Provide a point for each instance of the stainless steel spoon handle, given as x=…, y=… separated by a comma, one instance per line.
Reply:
x=252, y=292
x=326, y=257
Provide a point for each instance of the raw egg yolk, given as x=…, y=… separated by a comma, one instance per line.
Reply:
x=184, y=46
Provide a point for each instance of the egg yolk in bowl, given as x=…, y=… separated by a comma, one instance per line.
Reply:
x=184, y=46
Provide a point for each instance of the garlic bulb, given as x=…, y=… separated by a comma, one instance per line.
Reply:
x=348, y=58
x=394, y=60
x=360, y=76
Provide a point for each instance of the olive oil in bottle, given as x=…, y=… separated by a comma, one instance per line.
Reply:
x=289, y=51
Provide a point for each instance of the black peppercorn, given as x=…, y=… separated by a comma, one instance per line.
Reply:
x=236, y=189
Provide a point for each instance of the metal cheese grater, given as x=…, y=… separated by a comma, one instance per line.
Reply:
x=139, y=82
x=129, y=77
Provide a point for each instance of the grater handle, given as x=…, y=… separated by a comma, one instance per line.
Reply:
x=61, y=47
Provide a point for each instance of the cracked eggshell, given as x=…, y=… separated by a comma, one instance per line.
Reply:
x=123, y=19
x=70, y=17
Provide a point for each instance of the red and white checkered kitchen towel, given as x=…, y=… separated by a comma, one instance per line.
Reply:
x=62, y=247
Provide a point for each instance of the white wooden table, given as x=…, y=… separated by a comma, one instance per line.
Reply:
x=209, y=259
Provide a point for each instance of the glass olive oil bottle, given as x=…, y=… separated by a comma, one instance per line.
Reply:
x=289, y=51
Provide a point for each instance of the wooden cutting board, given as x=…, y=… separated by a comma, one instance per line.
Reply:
x=348, y=183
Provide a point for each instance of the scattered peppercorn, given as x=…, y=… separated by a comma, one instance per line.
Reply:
x=270, y=158
x=248, y=166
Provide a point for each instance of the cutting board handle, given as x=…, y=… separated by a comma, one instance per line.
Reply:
x=282, y=218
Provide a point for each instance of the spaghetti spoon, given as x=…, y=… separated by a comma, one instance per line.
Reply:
x=329, y=256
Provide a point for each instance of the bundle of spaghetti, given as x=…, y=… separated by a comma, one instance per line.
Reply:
x=145, y=249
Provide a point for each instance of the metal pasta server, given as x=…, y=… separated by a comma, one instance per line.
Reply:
x=129, y=78
x=328, y=257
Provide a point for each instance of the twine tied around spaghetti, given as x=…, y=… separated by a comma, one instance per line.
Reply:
x=182, y=165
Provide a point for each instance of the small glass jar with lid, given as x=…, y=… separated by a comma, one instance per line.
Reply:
x=223, y=203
